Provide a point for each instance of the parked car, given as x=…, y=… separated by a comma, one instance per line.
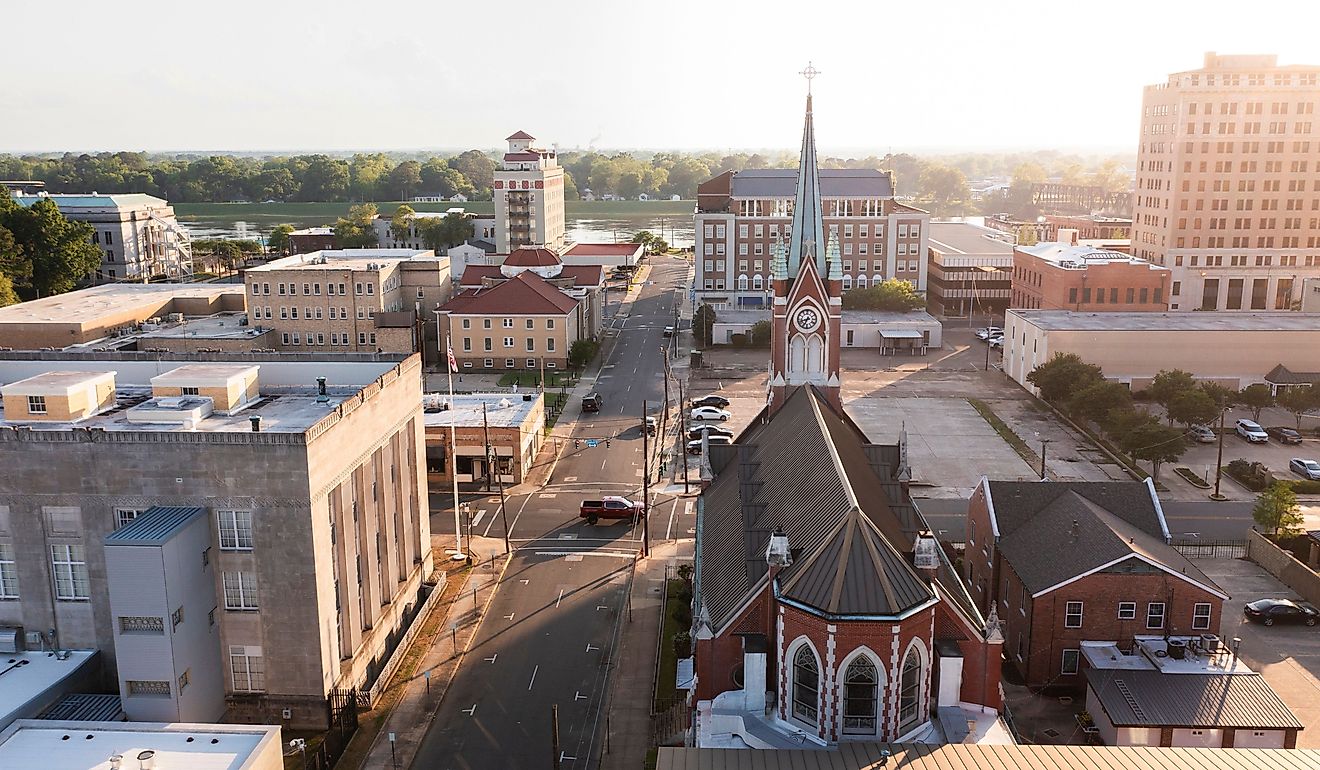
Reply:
x=592, y=402
x=711, y=400
x=1204, y=434
x=609, y=507
x=1285, y=435
x=651, y=425
x=1271, y=611
x=985, y=333
x=713, y=430
x=996, y=342
x=1251, y=431
x=1307, y=469
x=669, y=331
x=694, y=447
x=710, y=413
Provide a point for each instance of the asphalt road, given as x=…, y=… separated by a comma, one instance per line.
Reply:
x=551, y=627
x=1187, y=520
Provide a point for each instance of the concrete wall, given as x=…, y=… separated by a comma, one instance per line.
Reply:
x=1283, y=566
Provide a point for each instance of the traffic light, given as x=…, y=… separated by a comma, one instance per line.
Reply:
x=607, y=443
x=577, y=443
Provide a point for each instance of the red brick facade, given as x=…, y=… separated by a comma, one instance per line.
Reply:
x=1098, y=286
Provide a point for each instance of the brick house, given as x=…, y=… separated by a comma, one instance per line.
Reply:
x=1067, y=562
x=518, y=323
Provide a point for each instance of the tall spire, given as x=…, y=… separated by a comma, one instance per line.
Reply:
x=808, y=221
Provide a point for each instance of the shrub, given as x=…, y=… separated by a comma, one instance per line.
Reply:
x=739, y=340
x=682, y=644
x=1252, y=475
x=683, y=614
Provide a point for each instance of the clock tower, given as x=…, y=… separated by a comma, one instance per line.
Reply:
x=806, y=282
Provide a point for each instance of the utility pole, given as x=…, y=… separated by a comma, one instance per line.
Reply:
x=554, y=735
x=504, y=516
x=1043, y=443
x=664, y=414
x=485, y=427
x=1219, y=461
x=646, y=485
x=682, y=434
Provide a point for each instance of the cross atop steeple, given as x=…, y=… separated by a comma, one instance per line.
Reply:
x=809, y=73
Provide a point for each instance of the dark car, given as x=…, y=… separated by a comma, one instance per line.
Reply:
x=711, y=400
x=1271, y=611
x=1285, y=435
x=592, y=402
x=714, y=430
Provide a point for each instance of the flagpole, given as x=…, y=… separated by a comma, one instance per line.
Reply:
x=453, y=444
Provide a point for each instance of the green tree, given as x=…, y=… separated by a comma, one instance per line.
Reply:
x=945, y=189
x=1299, y=401
x=1098, y=399
x=478, y=169
x=1192, y=407
x=892, y=295
x=401, y=223
x=455, y=229
x=582, y=352
x=1063, y=375
x=13, y=263
x=1026, y=236
x=703, y=324
x=54, y=252
x=405, y=179
x=278, y=240
x=1276, y=511
x=7, y=294
x=1168, y=384
x=1256, y=397
x=759, y=335
x=1222, y=396
x=324, y=179
x=355, y=230
x=1155, y=443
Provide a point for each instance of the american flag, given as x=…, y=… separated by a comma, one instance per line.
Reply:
x=453, y=365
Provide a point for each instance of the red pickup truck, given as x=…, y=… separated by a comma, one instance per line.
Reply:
x=610, y=507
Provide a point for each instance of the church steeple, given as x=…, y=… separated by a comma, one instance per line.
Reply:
x=808, y=220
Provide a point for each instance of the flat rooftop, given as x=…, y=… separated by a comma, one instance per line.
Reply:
x=967, y=238
x=96, y=201
x=503, y=410
x=87, y=306
x=53, y=383
x=1209, y=321
x=1070, y=257
x=221, y=326
x=54, y=745
x=886, y=317
x=1151, y=653
x=28, y=679
x=344, y=259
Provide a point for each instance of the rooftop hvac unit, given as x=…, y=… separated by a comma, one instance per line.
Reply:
x=1210, y=643
x=11, y=640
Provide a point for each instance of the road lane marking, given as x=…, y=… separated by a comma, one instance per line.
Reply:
x=580, y=554
x=524, y=581
x=548, y=495
x=592, y=648
x=672, y=512
x=517, y=515
x=481, y=512
x=577, y=695
x=529, y=684
x=687, y=508
x=560, y=599
x=471, y=711
x=509, y=616
x=570, y=479
x=492, y=658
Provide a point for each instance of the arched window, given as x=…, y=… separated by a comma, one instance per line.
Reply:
x=742, y=283
x=797, y=354
x=847, y=283
x=806, y=684
x=861, y=282
x=909, y=694
x=756, y=282
x=877, y=279
x=859, y=691
x=815, y=354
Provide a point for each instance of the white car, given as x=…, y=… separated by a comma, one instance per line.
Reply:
x=996, y=342
x=1251, y=431
x=987, y=332
x=710, y=413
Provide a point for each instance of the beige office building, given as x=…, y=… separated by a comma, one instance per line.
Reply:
x=350, y=300
x=1228, y=183
x=529, y=196
x=311, y=501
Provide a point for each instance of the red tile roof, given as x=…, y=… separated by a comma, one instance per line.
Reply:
x=522, y=156
x=535, y=256
x=589, y=249
x=520, y=136
x=525, y=294
x=582, y=275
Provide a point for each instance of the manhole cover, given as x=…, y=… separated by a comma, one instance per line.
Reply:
x=1066, y=700
x=1052, y=733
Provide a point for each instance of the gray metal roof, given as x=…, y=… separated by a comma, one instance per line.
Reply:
x=965, y=756
x=834, y=183
x=85, y=707
x=1138, y=698
x=154, y=526
x=967, y=238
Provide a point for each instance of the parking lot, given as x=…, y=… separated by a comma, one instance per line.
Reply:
x=1201, y=457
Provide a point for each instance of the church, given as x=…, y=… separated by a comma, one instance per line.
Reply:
x=824, y=610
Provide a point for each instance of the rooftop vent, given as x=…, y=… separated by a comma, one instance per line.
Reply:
x=256, y=423
x=321, y=397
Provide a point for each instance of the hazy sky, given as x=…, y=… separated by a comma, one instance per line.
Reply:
x=284, y=75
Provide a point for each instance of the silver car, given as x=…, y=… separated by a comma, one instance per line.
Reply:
x=1203, y=434
x=1307, y=469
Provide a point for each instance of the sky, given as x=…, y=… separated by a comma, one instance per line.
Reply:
x=290, y=75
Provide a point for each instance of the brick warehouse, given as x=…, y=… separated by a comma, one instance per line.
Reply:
x=1067, y=562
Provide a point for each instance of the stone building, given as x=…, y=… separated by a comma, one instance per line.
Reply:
x=314, y=500
x=529, y=196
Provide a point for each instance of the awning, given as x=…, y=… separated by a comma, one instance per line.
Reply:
x=902, y=334
x=684, y=676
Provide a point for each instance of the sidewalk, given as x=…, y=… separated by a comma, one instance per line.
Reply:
x=421, y=697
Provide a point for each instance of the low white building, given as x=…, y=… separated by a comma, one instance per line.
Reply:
x=483, y=227
x=60, y=745
x=888, y=332
x=137, y=234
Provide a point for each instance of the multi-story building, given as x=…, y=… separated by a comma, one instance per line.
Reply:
x=529, y=196
x=1068, y=562
x=520, y=323
x=1064, y=276
x=483, y=228
x=511, y=424
x=970, y=269
x=351, y=300
x=1228, y=183
x=315, y=540
x=1089, y=228
x=311, y=239
x=137, y=234
x=742, y=215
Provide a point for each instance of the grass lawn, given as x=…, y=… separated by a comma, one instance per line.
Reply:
x=665, y=692
x=531, y=378
x=554, y=408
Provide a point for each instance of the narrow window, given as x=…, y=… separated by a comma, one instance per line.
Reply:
x=859, y=691
x=806, y=682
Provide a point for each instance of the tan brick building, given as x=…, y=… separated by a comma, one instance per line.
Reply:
x=514, y=423
x=516, y=324
x=350, y=300
x=1060, y=276
x=1228, y=183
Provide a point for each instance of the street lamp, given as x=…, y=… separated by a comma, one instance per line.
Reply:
x=467, y=523
x=1219, y=460
x=1043, y=443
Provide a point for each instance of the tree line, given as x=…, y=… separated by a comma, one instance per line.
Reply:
x=937, y=183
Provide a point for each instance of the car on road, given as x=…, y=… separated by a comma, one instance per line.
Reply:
x=669, y=331
x=1271, y=611
x=714, y=430
x=985, y=333
x=694, y=447
x=1251, y=431
x=651, y=425
x=1203, y=434
x=608, y=507
x=711, y=400
x=1284, y=435
x=592, y=402
x=1307, y=469
x=710, y=413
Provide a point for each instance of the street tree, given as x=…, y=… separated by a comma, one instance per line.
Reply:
x=892, y=295
x=1256, y=397
x=278, y=240
x=1169, y=383
x=1276, y=511
x=1155, y=443
x=1192, y=407
x=355, y=229
x=759, y=335
x=1299, y=401
x=1222, y=396
x=54, y=252
x=582, y=352
x=703, y=324
x=1063, y=375
x=1098, y=399
x=401, y=223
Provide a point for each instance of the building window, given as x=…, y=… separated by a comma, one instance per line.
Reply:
x=909, y=694
x=1127, y=610
x=508, y=363
x=235, y=530
x=362, y=338
x=1071, y=661
x=125, y=515
x=176, y=618
x=141, y=624
x=1155, y=615
x=550, y=345
x=549, y=323
x=467, y=323
x=240, y=591
x=531, y=362
x=508, y=323
x=1201, y=616
x=69, y=564
x=1072, y=615
x=859, y=702
x=508, y=342
x=806, y=684
x=183, y=680
x=8, y=572
x=248, y=669
x=36, y=404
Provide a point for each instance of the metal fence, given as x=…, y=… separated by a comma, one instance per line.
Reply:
x=1211, y=549
x=341, y=706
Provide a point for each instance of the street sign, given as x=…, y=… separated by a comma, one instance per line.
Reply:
x=591, y=442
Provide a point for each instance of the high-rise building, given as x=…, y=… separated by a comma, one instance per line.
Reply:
x=529, y=197
x=1228, y=183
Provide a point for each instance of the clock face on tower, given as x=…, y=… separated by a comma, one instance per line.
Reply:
x=807, y=319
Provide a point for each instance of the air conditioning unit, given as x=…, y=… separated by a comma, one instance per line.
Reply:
x=11, y=640
x=1210, y=643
